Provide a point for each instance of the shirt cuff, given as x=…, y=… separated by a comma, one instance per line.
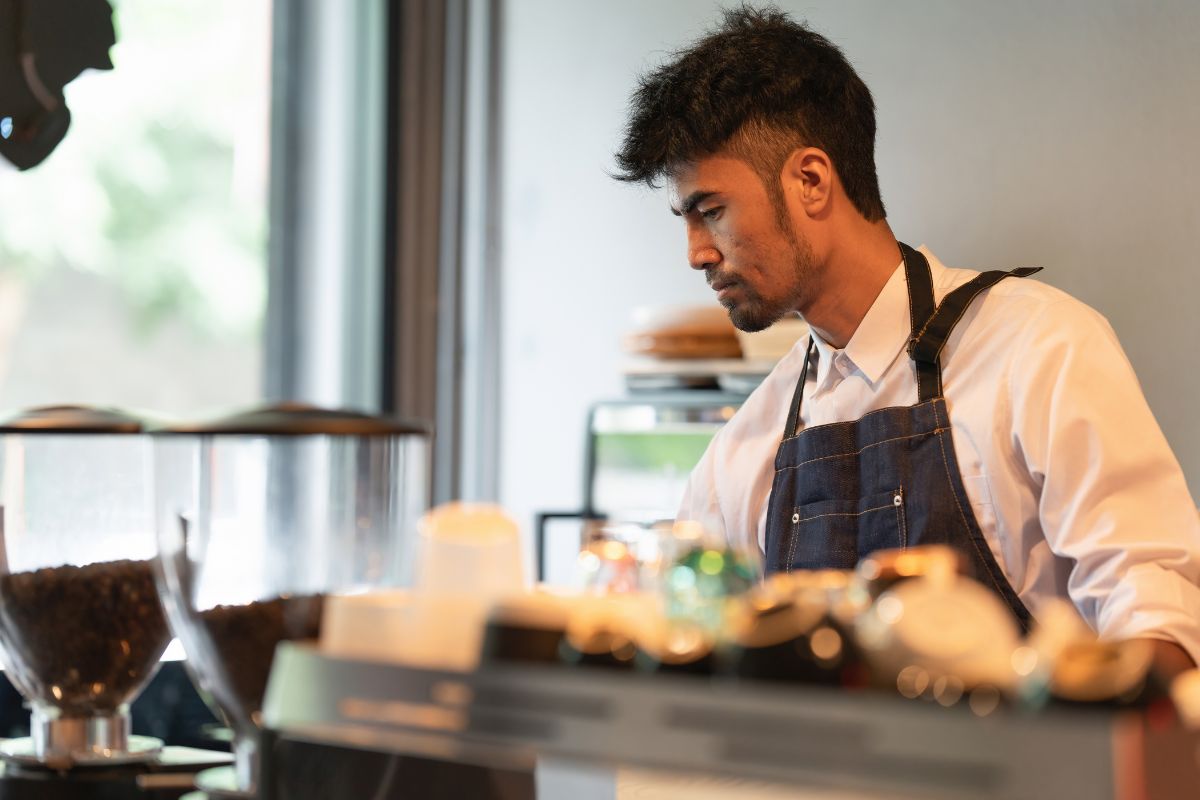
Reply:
x=1153, y=602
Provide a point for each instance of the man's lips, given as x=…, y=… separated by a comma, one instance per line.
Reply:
x=723, y=288
x=718, y=284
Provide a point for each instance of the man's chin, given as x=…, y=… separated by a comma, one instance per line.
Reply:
x=750, y=320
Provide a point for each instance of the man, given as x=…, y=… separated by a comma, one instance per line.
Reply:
x=988, y=412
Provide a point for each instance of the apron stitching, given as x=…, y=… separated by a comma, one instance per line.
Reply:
x=793, y=418
x=900, y=520
x=908, y=291
x=961, y=311
x=990, y=564
x=934, y=432
x=922, y=330
x=849, y=423
x=953, y=324
x=843, y=513
x=929, y=272
x=792, y=546
x=963, y=516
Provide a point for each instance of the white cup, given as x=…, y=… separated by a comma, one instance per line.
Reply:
x=469, y=549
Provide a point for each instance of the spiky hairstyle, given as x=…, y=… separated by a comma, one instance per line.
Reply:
x=758, y=86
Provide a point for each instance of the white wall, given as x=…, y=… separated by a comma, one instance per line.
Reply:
x=1065, y=135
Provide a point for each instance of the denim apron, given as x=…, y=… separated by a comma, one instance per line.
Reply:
x=890, y=479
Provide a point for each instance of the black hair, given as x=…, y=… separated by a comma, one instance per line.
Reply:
x=759, y=86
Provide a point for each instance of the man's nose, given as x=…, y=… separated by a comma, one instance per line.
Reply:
x=702, y=253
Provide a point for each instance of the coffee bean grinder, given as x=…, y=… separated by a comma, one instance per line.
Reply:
x=81, y=626
x=260, y=517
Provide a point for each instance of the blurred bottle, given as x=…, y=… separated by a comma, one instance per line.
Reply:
x=786, y=630
x=701, y=574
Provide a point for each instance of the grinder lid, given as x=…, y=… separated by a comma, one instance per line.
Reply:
x=298, y=419
x=67, y=419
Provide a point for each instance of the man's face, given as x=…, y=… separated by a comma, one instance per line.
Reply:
x=759, y=266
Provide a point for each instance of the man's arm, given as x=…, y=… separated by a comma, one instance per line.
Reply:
x=1112, y=498
x=1170, y=659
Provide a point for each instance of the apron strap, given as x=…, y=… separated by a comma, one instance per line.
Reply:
x=794, y=412
x=931, y=326
x=920, y=286
x=925, y=345
x=920, y=310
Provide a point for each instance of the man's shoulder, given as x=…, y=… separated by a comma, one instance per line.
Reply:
x=1022, y=322
x=1030, y=289
x=1025, y=302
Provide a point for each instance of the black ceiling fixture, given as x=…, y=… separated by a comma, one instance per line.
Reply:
x=44, y=45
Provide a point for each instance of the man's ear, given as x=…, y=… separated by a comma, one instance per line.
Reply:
x=807, y=178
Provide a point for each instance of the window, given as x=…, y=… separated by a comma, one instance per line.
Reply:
x=133, y=260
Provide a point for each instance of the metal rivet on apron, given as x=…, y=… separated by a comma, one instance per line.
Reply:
x=897, y=499
x=795, y=517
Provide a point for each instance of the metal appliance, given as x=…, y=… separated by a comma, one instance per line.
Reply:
x=867, y=745
x=638, y=453
x=262, y=515
x=80, y=623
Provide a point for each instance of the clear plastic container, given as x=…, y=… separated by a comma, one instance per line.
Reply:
x=468, y=558
x=263, y=515
x=80, y=622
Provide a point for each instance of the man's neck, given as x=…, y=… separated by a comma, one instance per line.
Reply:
x=857, y=267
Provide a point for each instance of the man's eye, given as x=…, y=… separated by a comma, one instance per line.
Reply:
x=711, y=213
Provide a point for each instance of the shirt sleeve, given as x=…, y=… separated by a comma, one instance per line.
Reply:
x=1113, y=499
x=700, y=501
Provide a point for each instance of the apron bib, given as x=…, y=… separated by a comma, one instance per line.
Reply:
x=890, y=479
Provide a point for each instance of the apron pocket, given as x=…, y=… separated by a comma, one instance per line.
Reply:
x=835, y=534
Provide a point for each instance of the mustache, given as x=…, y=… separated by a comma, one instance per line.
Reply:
x=718, y=281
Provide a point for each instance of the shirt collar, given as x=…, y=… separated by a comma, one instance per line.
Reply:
x=883, y=332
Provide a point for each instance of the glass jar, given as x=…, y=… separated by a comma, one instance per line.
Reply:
x=261, y=516
x=80, y=622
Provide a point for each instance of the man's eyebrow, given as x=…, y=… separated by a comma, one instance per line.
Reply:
x=691, y=201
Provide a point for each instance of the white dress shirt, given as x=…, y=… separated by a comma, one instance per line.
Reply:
x=1071, y=480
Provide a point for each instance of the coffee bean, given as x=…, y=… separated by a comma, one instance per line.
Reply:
x=245, y=637
x=83, y=639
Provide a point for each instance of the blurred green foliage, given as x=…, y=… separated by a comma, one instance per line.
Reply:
x=652, y=451
x=160, y=184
